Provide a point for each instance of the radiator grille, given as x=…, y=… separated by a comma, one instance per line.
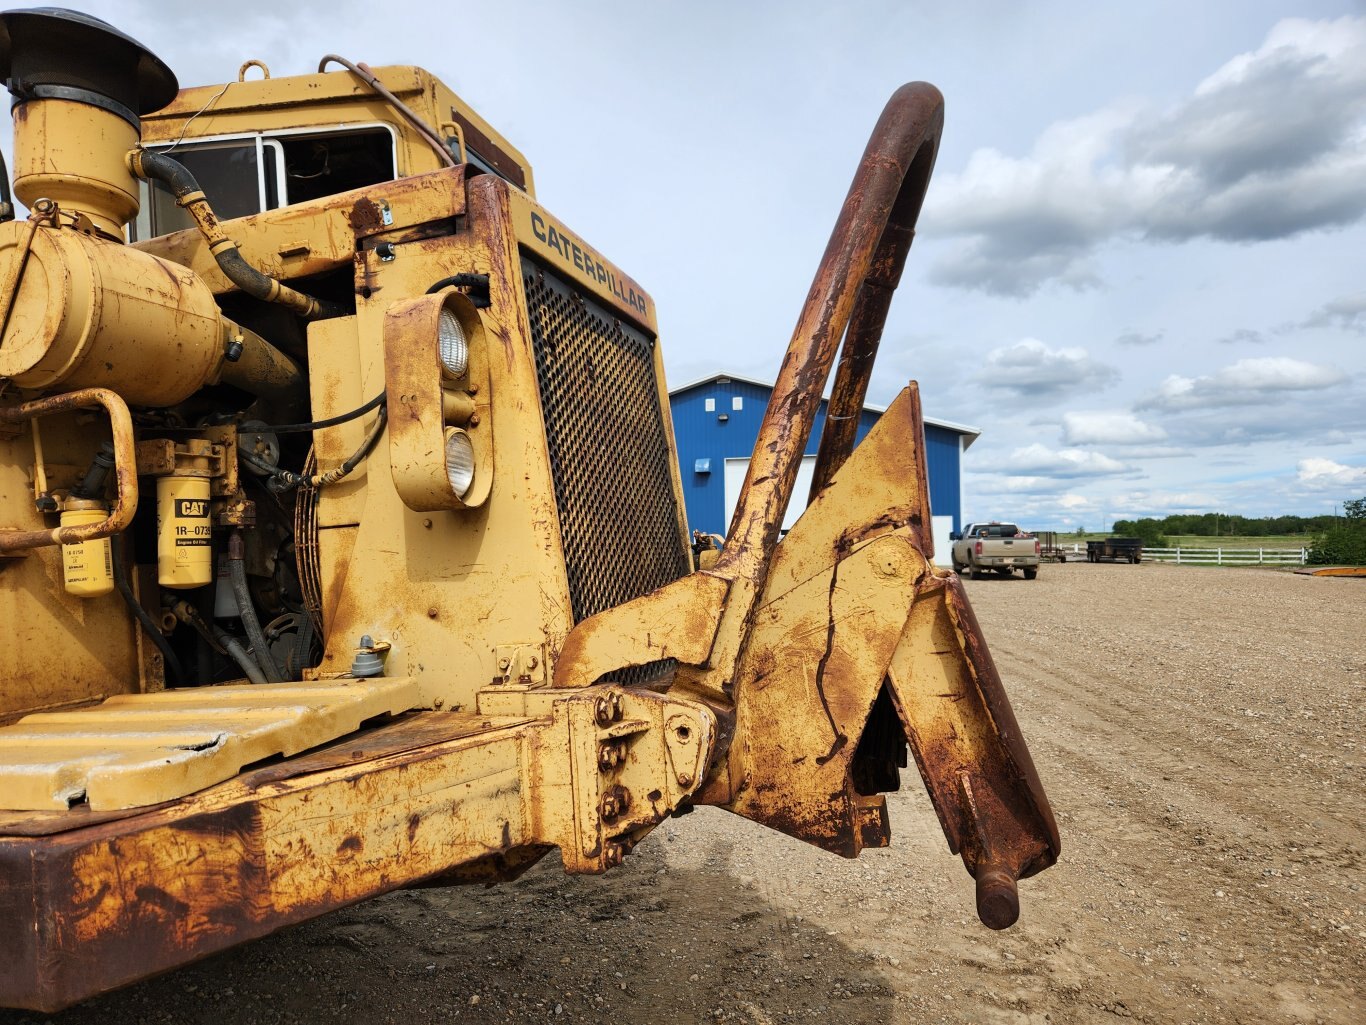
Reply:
x=609, y=453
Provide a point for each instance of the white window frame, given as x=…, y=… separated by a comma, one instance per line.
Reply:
x=270, y=138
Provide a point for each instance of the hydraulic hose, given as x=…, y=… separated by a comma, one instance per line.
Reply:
x=239, y=655
x=443, y=151
x=289, y=479
x=176, y=670
x=151, y=166
x=220, y=639
x=478, y=285
x=237, y=572
x=332, y=421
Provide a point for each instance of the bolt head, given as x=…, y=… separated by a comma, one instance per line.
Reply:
x=602, y=711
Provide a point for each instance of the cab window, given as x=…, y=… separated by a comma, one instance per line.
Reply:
x=244, y=175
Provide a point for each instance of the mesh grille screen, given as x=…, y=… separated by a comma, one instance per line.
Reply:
x=608, y=450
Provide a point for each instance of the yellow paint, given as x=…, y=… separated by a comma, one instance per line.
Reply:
x=566, y=253
x=73, y=154
x=142, y=749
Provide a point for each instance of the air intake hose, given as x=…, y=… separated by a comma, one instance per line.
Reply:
x=176, y=176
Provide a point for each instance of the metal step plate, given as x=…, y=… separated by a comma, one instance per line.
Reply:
x=141, y=749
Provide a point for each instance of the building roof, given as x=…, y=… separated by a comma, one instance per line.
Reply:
x=970, y=433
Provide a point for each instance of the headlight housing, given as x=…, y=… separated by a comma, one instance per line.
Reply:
x=437, y=379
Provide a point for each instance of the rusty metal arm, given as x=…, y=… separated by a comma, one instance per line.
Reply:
x=862, y=261
x=125, y=469
x=861, y=338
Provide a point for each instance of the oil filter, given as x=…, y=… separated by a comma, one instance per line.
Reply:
x=184, y=532
x=87, y=567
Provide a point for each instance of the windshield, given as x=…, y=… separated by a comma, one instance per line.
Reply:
x=996, y=530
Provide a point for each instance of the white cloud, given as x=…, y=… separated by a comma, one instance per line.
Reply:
x=1276, y=373
x=1100, y=428
x=1347, y=312
x=1076, y=503
x=1242, y=383
x=1269, y=146
x=1041, y=461
x=1317, y=472
x=1136, y=504
x=1031, y=368
x=992, y=483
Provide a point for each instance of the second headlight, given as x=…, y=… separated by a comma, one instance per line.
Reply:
x=459, y=461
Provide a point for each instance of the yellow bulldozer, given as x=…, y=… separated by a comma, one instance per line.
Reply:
x=342, y=544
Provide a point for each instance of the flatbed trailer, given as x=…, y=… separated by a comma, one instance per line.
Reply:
x=1115, y=549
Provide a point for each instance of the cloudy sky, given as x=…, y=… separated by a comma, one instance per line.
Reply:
x=1141, y=270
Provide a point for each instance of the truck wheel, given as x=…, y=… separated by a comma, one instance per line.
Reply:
x=957, y=567
x=1031, y=573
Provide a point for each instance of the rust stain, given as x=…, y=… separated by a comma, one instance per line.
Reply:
x=365, y=217
x=159, y=898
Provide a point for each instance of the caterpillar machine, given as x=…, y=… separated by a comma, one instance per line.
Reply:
x=341, y=536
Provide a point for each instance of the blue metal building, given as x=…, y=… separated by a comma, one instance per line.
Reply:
x=716, y=421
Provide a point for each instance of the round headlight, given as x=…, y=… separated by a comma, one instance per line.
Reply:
x=455, y=351
x=459, y=461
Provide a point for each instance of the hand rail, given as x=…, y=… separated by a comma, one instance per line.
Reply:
x=125, y=470
x=857, y=275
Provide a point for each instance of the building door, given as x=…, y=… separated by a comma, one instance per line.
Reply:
x=736, y=469
x=939, y=531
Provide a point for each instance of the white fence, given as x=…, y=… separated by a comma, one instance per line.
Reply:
x=1229, y=556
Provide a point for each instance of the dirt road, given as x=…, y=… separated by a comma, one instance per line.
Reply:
x=1199, y=731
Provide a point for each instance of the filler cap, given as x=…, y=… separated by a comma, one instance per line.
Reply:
x=58, y=53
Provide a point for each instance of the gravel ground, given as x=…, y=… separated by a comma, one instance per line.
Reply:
x=1199, y=732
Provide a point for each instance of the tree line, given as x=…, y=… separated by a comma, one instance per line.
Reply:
x=1222, y=524
x=1333, y=539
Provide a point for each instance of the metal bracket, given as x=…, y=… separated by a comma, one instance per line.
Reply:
x=634, y=757
x=522, y=664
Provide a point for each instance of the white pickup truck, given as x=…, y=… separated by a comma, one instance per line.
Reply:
x=996, y=547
